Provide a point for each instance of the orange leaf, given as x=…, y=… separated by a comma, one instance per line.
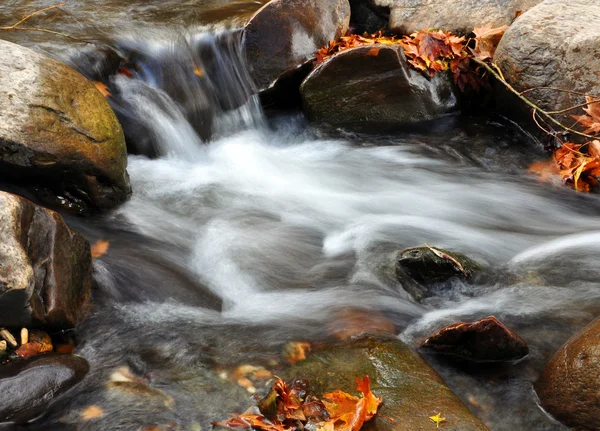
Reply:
x=102, y=88
x=295, y=351
x=486, y=40
x=92, y=412
x=99, y=248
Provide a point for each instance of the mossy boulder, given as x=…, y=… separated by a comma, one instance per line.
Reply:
x=59, y=135
x=411, y=390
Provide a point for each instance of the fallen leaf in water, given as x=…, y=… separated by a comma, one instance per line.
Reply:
x=198, y=71
x=295, y=351
x=29, y=349
x=99, y=248
x=438, y=419
x=92, y=412
x=446, y=256
x=102, y=88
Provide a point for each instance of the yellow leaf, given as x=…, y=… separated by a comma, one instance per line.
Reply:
x=438, y=419
x=198, y=72
x=99, y=248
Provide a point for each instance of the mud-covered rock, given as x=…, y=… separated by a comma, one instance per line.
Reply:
x=284, y=35
x=459, y=16
x=418, y=268
x=370, y=87
x=45, y=267
x=568, y=386
x=29, y=385
x=484, y=340
x=58, y=133
x=553, y=45
x=411, y=390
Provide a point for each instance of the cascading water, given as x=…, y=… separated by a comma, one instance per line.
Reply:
x=244, y=233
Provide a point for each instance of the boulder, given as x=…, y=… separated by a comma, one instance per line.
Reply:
x=372, y=86
x=411, y=390
x=45, y=267
x=367, y=17
x=420, y=267
x=554, y=44
x=568, y=386
x=458, y=16
x=483, y=340
x=58, y=133
x=29, y=385
x=285, y=34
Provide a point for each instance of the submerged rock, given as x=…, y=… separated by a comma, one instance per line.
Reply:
x=58, y=133
x=552, y=46
x=483, y=340
x=459, y=16
x=411, y=390
x=45, y=267
x=29, y=385
x=285, y=34
x=419, y=267
x=568, y=387
x=373, y=86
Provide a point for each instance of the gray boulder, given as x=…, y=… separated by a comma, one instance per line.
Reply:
x=45, y=267
x=459, y=16
x=554, y=44
x=285, y=34
x=372, y=86
x=59, y=133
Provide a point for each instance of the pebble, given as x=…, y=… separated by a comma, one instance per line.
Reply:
x=24, y=336
x=8, y=337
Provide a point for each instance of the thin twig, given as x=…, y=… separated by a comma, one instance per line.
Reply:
x=527, y=101
x=562, y=111
x=563, y=90
x=25, y=18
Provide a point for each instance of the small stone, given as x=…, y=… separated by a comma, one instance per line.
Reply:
x=24, y=336
x=484, y=340
x=8, y=337
x=3, y=346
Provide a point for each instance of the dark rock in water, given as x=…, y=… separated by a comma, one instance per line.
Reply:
x=372, y=86
x=552, y=46
x=29, y=385
x=59, y=133
x=411, y=390
x=459, y=16
x=45, y=267
x=368, y=17
x=569, y=386
x=285, y=34
x=421, y=266
x=483, y=340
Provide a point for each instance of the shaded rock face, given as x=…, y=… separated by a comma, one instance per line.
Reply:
x=28, y=386
x=59, y=132
x=368, y=17
x=483, y=340
x=459, y=16
x=284, y=34
x=411, y=390
x=372, y=86
x=552, y=45
x=418, y=268
x=568, y=387
x=45, y=267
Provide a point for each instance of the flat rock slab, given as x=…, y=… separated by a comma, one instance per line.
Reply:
x=58, y=132
x=568, y=387
x=285, y=34
x=29, y=385
x=411, y=390
x=45, y=267
x=458, y=16
x=372, y=86
x=484, y=340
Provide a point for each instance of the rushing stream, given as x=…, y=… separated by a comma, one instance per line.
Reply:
x=258, y=232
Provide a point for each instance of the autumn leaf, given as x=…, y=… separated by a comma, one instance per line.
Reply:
x=99, y=248
x=92, y=412
x=592, y=120
x=446, y=256
x=295, y=351
x=438, y=419
x=486, y=41
x=102, y=88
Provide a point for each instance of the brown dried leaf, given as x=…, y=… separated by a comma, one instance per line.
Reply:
x=99, y=248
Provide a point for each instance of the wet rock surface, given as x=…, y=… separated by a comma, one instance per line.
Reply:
x=368, y=17
x=484, y=340
x=552, y=45
x=411, y=390
x=45, y=267
x=370, y=87
x=459, y=16
x=29, y=385
x=420, y=267
x=568, y=386
x=59, y=133
x=284, y=34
